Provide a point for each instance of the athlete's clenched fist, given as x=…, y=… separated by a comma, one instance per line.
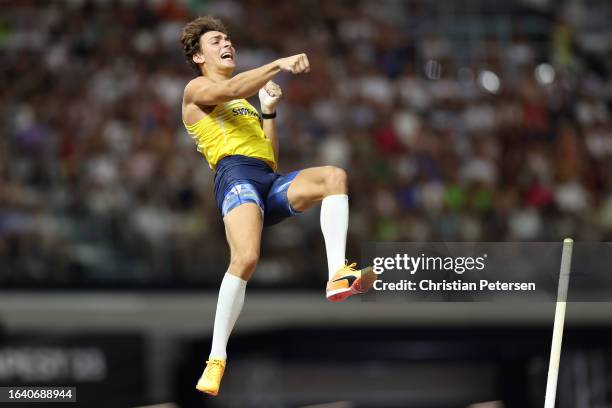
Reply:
x=269, y=96
x=296, y=64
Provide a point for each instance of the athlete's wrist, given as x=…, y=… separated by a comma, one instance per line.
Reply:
x=268, y=110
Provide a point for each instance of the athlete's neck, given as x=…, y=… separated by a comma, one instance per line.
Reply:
x=217, y=75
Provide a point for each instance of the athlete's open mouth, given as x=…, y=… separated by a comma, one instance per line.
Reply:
x=227, y=56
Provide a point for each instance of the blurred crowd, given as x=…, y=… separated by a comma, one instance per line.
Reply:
x=449, y=131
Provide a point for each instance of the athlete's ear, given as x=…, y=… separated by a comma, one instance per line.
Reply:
x=198, y=58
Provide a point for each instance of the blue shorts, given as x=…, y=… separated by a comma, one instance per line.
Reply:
x=242, y=179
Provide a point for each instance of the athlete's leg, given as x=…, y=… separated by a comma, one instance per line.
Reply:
x=243, y=226
x=314, y=184
x=327, y=184
x=243, y=230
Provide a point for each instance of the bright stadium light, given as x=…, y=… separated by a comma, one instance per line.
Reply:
x=489, y=81
x=544, y=74
x=433, y=69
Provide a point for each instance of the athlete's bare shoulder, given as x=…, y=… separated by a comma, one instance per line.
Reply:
x=192, y=112
x=194, y=86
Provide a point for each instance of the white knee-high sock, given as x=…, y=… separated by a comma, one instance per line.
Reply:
x=334, y=224
x=229, y=306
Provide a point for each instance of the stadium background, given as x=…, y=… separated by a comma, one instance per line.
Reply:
x=467, y=120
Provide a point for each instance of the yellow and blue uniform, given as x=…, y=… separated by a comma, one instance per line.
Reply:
x=232, y=128
x=232, y=140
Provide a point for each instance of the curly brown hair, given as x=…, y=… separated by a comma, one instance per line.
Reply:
x=191, y=34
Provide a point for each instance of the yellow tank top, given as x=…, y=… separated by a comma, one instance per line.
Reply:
x=232, y=128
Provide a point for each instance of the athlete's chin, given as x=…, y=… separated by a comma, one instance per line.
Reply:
x=228, y=64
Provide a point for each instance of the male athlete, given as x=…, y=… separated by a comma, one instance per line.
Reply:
x=242, y=150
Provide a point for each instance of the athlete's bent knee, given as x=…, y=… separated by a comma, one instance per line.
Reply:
x=336, y=180
x=244, y=264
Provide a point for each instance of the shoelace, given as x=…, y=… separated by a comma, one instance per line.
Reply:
x=350, y=267
x=215, y=367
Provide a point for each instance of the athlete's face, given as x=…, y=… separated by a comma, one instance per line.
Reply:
x=217, y=51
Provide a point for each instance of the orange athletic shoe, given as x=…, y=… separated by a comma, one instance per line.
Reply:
x=349, y=281
x=211, y=377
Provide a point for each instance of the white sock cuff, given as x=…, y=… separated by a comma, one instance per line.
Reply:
x=233, y=278
x=335, y=197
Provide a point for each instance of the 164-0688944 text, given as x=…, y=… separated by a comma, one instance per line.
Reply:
x=37, y=394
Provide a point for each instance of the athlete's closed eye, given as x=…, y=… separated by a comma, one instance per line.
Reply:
x=217, y=39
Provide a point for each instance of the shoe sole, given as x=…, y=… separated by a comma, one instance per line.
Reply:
x=206, y=391
x=361, y=285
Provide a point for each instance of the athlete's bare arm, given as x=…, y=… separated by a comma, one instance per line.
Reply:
x=203, y=91
x=269, y=96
